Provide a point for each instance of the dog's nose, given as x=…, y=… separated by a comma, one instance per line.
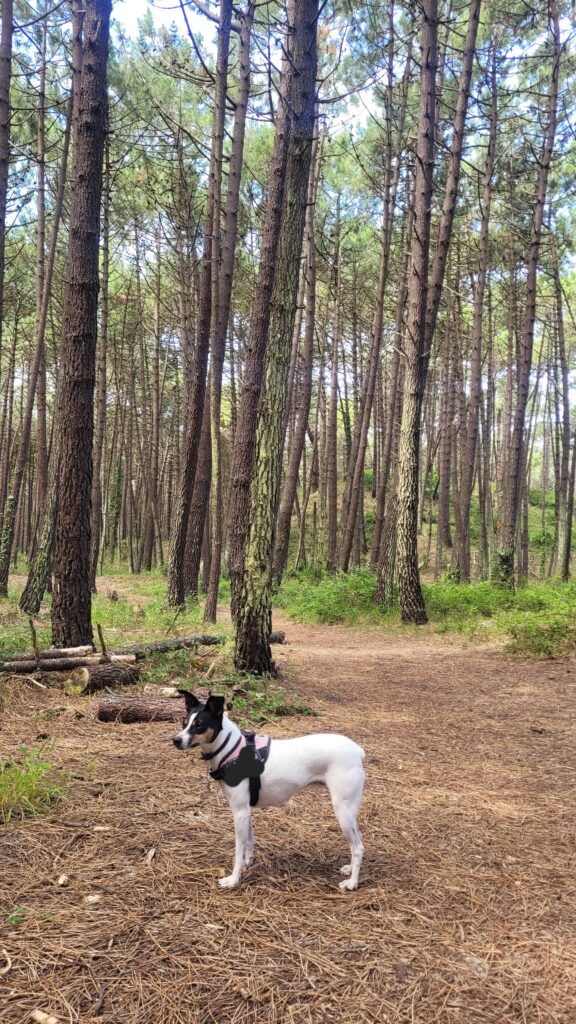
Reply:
x=176, y=741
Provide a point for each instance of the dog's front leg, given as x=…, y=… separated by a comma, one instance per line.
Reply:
x=242, y=831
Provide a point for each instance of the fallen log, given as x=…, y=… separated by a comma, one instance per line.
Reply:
x=179, y=643
x=51, y=652
x=154, y=690
x=135, y=707
x=98, y=677
x=62, y=664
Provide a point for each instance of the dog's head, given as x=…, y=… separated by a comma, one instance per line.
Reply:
x=202, y=723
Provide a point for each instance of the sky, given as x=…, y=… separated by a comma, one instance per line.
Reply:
x=165, y=12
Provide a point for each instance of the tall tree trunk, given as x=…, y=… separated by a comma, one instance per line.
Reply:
x=100, y=427
x=394, y=394
x=176, y=589
x=42, y=473
x=254, y=612
x=564, y=439
x=5, y=80
x=354, y=488
x=332, y=418
x=410, y=592
x=245, y=441
x=473, y=416
x=71, y=606
x=221, y=302
x=504, y=569
x=9, y=521
x=298, y=440
x=419, y=350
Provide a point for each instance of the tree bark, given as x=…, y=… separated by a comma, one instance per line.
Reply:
x=299, y=437
x=176, y=589
x=410, y=592
x=129, y=708
x=245, y=440
x=71, y=607
x=5, y=80
x=504, y=569
x=254, y=611
x=221, y=302
x=469, y=455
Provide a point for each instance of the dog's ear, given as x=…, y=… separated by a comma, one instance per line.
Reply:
x=215, y=706
x=192, y=702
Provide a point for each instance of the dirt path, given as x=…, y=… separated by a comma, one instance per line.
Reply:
x=466, y=913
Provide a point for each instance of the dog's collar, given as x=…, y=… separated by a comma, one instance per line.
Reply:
x=208, y=757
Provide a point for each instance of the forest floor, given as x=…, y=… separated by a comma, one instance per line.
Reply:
x=466, y=912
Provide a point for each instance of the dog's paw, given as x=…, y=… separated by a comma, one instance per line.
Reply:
x=229, y=882
x=346, y=869
x=348, y=884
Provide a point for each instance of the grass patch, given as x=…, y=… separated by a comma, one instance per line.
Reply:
x=537, y=619
x=346, y=598
x=130, y=609
x=254, y=700
x=29, y=785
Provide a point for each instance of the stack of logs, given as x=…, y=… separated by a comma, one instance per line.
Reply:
x=84, y=667
x=92, y=671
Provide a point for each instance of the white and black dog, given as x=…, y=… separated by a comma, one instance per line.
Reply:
x=256, y=770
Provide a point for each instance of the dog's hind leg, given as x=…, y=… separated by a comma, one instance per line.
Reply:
x=346, y=800
x=243, y=833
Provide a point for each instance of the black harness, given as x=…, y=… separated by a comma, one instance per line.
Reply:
x=249, y=764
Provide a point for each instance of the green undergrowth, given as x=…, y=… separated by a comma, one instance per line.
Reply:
x=253, y=700
x=130, y=609
x=133, y=609
x=536, y=619
x=29, y=785
x=346, y=598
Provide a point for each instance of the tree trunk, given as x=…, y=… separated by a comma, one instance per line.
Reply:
x=469, y=455
x=5, y=80
x=245, y=441
x=9, y=521
x=410, y=592
x=221, y=302
x=504, y=569
x=298, y=440
x=332, y=421
x=254, y=611
x=71, y=607
x=176, y=590
x=100, y=428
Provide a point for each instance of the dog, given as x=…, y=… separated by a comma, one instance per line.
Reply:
x=271, y=773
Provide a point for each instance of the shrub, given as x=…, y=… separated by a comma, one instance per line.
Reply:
x=550, y=635
x=328, y=599
x=29, y=785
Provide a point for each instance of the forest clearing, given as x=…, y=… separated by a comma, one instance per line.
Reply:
x=467, y=903
x=287, y=447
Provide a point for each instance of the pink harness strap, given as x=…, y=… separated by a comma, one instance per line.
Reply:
x=260, y=742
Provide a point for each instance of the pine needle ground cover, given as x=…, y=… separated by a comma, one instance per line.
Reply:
x=466, y=912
